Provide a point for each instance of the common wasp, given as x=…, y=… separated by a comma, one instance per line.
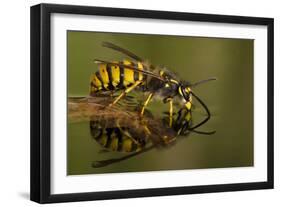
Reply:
x=154, y=82
x=132, y=136
x=119, y=129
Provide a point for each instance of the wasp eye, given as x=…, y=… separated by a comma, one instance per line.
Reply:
x=185, y=93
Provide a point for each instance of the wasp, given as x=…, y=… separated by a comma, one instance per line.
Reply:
x=139, y=75
x=136, y=136
x=119, y=129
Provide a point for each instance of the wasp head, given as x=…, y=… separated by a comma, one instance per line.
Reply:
x=185, y=91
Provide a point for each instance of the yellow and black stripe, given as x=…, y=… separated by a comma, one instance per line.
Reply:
x=115, y=139
x=111, y=77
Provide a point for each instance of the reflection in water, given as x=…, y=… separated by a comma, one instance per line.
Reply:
x=123, y=130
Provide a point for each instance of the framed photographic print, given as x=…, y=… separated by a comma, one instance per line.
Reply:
x=132, y=103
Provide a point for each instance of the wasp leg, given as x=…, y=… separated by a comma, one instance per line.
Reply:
x=171, y=113
x=128, y=134
x=146, y=103
x=125, y=92
x=168, y=141
x=112, y=93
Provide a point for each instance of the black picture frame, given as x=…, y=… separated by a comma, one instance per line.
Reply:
x=41, y=96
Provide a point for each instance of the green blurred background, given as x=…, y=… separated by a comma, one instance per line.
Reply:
x=230, y=99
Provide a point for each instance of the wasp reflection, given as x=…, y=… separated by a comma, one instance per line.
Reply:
x=121, y=129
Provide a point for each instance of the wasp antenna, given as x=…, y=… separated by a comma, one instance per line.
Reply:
x=203, y=81
x=103, y=163
x=202, y=132
x=97, y=61
x=122, y=50
x=206, y=109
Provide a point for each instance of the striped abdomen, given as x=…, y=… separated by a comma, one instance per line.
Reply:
x=115, y=139
x=112, y=77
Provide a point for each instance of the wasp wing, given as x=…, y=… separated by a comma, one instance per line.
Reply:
x=131, y=67
x=95, y=108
